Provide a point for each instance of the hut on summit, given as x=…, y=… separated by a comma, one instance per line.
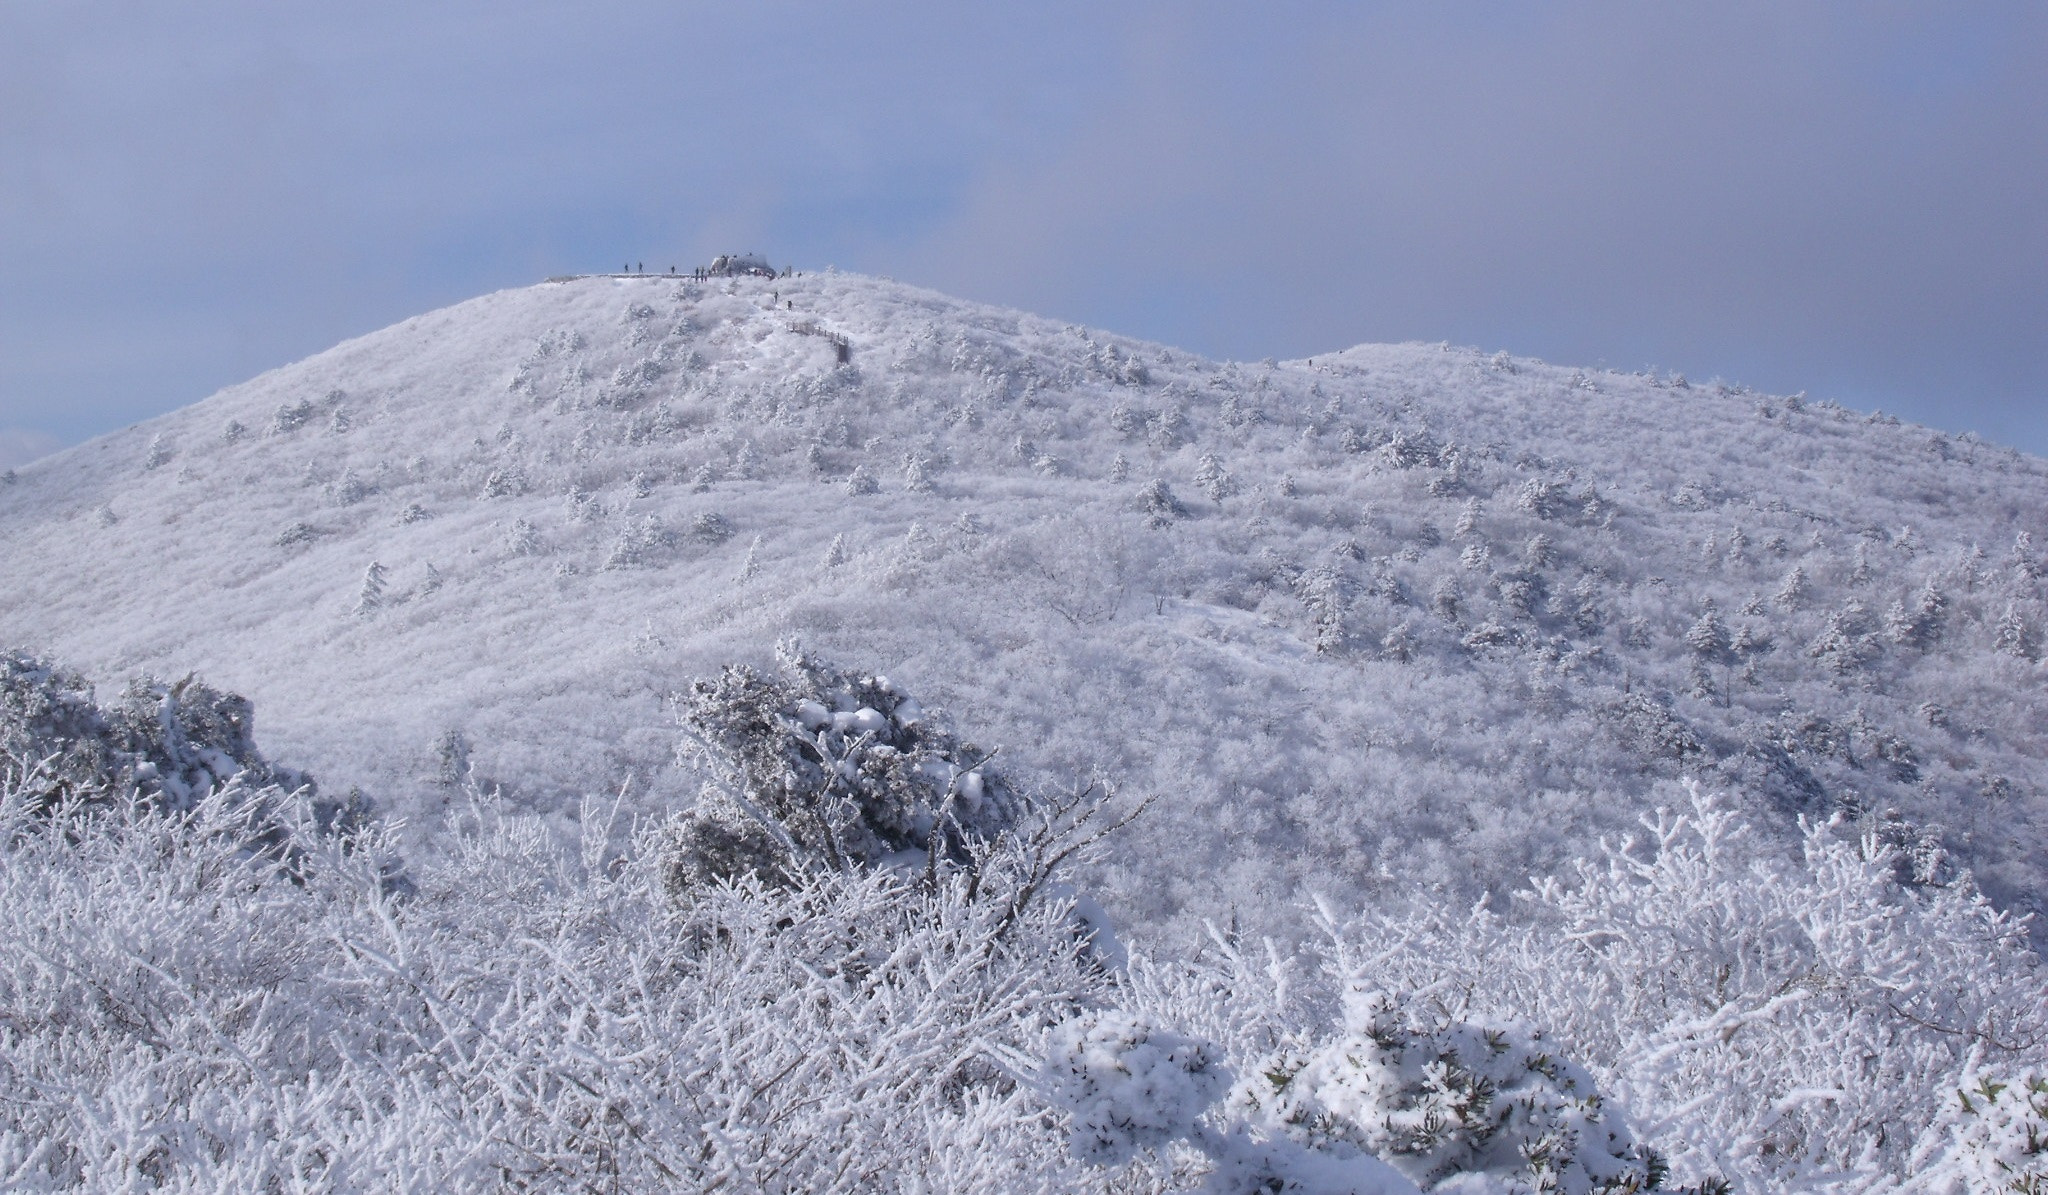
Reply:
x=739, y=265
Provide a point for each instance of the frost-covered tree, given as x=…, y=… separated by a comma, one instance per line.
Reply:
x=816, y=767
x=2013, y=635
x=1321, y=591
x=1792, y=591
x=522, y=538
x=370, y=597
x=168, y=744
x=1213, y=479
x=917, y=473
x=1844, y=643
x=1157, y=503
x=640, y=542
x=1920, y=624
x=1709, y=638
x=1444, y=598
x=1168, y=429
x=1468, y=519
x=2024, y=565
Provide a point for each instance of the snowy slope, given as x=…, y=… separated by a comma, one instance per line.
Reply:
x=1412, y=611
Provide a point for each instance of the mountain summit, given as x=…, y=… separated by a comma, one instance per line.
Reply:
x=1399, y=612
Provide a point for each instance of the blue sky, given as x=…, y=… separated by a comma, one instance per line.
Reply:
x=1847, y=199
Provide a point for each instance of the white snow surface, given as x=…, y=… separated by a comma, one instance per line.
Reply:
x=506, y=531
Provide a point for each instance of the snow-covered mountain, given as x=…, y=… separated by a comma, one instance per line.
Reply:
x=1405, y=612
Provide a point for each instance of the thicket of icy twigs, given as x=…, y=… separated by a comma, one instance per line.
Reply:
x=1560, y=780
x=854, y=965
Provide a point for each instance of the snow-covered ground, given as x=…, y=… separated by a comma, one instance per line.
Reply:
x=1398, y=613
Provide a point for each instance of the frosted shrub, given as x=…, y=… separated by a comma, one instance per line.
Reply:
x=820, y=767
x=711, y=527
x=1450, y=1099
x=1777, y=1021
x=519, y=1012
x=639, y=543
x=1131, y=1090
x=534, y=1015
x=504, y=483
x=290, y=417
x=1999, y=1138
x=522, y=538
x=1129, y=1085
x=1650, y=729
x=169, y=743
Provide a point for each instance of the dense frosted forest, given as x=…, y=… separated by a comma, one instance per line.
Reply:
x=807, y=733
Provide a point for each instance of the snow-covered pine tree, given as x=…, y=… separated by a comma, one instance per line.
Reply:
x=1157, y=503
x=1708, y=637
x=1213, y=479
x=1444, y=598
x=1321, y=591
x=917, y=473
x=1792, y=590
x=1468, y=519
x=2024, y=566
x=370, y=598
x=2013, y=635
x=817, y=767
